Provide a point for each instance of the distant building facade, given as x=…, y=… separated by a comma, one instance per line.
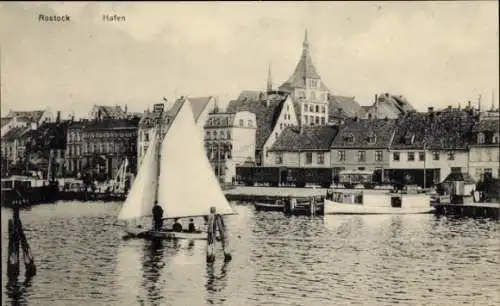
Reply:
x=484, y=151
x=229, y=141
x=101, y=146
x=308, y=146
x=363, y=144
x=274, y=112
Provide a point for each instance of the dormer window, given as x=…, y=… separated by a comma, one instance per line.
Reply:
x=241, y=122
x=496, y=138
x=480, y=138
x=372, y=139
x=409, y=138
x=249, y=123
x=349, y=139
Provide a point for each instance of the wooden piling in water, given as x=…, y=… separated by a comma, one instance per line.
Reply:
x=216, y=225
x=13, y=258
x=17, y=239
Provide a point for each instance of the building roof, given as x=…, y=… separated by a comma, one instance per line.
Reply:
x=341, y=104
x=312, y=138
x=32, y=116
x=459, y=176
x=4, y=121
x=266, y=113
x=488, y=125
x=304, y=70
x=250, y=95
x=15, y=133
x=365, y=133
x=115, y=112
x=444, y=130
x=105, y=124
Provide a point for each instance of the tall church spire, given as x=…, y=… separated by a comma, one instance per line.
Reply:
x=305, y=44
x=269, y=79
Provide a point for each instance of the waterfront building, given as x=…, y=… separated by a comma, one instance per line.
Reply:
x=229, y=141
x=306, y=147
x=161, y=117
x=388, y=106
x=431, y=145
x=14, y=143
x=101, y=146
x=484, y=151
x=363, y=144
x=274, y=112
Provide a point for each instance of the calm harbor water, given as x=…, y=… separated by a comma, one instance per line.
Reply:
x=277, y=260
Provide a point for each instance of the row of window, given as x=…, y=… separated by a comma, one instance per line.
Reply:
x=480, y=172
x=320, y=158
x=96, y=148
x=311, y=108
x=421, y=156
x=481, y=139
x=489, y=156
x=72, y=136
x=372, y=139
x=215, y=135
x=314, y=120
x=225, y=121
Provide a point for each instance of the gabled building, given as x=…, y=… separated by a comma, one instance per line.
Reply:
x=229, y=141
x=363, y=144
x=274, y=112
x=388, y=106
x=484, y=151
x=431, y=145
x=307, y=147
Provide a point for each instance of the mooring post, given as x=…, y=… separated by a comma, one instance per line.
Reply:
x=224, y=238
x=211, y=232
x=13, y=258
x=29, y=261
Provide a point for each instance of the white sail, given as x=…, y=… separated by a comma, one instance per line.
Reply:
x=142, y=194
x=188, y=186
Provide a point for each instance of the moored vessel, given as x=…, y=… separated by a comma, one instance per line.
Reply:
x=365, y=202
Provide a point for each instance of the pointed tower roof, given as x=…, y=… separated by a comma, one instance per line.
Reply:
x=269, y=79
x=304, y=70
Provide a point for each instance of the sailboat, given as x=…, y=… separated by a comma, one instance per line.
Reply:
x=175, y=172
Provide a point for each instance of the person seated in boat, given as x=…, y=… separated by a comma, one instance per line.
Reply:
x=157, y=217
x=191, y=226
x=177, y=226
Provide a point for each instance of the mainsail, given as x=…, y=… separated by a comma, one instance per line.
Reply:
x=142, y=194
x=188, y=186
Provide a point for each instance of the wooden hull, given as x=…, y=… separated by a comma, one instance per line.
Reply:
x=269, y=207
x=336, y=208
x=165, y=235
x=302, y=209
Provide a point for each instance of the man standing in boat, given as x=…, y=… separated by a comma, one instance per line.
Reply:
x=157, y=217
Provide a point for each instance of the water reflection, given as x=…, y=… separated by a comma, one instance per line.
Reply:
x=153, y=264
x=16, y=290
x=217, y=281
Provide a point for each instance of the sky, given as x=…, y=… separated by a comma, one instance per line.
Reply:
x=434, y=53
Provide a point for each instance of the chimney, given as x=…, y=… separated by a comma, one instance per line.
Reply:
x=430, y=109
x=125, y=108
x=376, y=96
x=449, y=107
x=58, y=118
